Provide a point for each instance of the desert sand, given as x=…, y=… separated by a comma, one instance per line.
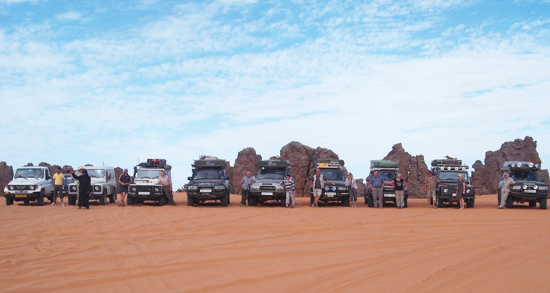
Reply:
x=146, y=248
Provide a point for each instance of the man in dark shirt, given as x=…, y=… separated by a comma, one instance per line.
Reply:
x=377, y=186
x=124, y=180
x=84, y=188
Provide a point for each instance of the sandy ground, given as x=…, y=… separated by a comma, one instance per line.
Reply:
x=147, y=248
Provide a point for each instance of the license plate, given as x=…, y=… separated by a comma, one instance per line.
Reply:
x=143, y=193
x=330, y=194
x=20, y=196
x=206, y=190
x=389, y=195
x=530, y=191
x=267, y=193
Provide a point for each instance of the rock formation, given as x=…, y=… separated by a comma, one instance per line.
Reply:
x=486, y=176
x=302, y=159
x=6, y=174
x=247, y=160
x=413, y=168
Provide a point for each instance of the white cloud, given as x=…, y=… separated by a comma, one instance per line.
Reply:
x=69, y=15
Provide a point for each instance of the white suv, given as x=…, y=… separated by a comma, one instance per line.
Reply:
x=30, y=184
x=103, y=185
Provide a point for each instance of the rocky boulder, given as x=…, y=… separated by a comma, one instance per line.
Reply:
x=6, y=174
x=247, y=160
x=413, y=169
x=302, y=159
x=486, y=176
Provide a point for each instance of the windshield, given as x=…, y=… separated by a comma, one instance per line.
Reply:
x=387, y=176
x=96, y=173
x=29, y=173
x=451, y=175
x=148, y=174
x=524, y=176
x=332, y=174
x=209, y=174
x=69, y=179
x=276, y=174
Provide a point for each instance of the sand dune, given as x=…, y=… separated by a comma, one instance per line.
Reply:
x=149, y=248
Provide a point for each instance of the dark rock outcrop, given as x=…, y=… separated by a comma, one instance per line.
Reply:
x=6, y=174
x=302, y=159
x=486, y=176
x=247, y=160
x=413, y=169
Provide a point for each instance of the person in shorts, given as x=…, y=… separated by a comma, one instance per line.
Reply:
x=124, y=180
x=58, y=181
x=318, y=183
x=429, y=188
x=352, y=185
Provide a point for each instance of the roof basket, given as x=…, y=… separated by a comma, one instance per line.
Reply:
x=329, y=163
x=209, y=163
x=447, y=162
x=274, y=164
x=520, y=165
x=383, y=164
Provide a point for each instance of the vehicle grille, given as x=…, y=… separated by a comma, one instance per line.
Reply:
x=144, y=188
x=267, y=187
x=22, y=187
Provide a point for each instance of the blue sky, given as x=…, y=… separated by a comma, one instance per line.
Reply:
x=116, y=81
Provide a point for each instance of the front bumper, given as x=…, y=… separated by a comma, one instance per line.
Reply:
x=528, y=196
x=147, y=192
x=22, y=196
x=268, y=195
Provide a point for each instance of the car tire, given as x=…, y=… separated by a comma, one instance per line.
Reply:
x=543, y=202
x=190, y=201
x=72, y=200
x=9, y=201
x=103, y=198
x=406, y=201
x=40, y=199
x=283, y=202
x=532, y=203
x=440, y=202
x=471, y=203
x=112, y=197
x=162, y=200
x=498, y=203
x=345, y=202
x=509, y=202
x=252, y=201
x=225, y=200
x=130, y=200
x=311, y=199
x=370, y=201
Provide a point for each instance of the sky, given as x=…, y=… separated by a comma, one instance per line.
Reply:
x=116, y=82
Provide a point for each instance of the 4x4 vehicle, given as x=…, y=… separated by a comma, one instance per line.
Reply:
x=387, y=170
x=103, y=185
x=268, y=182
x=209, y=182
x=30, y=184
x=447, y=171
x=145, y=186
x=332, y=170
x=527, y=187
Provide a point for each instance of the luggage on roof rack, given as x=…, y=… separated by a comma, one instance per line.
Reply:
x=383, y=164
x=447, y=162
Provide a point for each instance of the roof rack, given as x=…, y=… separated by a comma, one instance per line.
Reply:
x=520, y=165
x=274, y=164
x=329, y=163
x=447, y=162
x=383, y=164
x=155, y=163
x=209, y=163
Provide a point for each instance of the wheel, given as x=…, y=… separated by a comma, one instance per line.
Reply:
x=225, y=200
x=370, y=201
x=543, y=203
x=509, y=202
x=431, y=201
x=190, y=201
x=439, y=202
x=471, y=203
x=406, y=201
x=40, y=200
x=103, y=198
x=9, y=201
x=283, y=202
x=532, y=203
x=26, y=202
x=345, y=202
x=498, y=203
x=72, y=200
x=228, y=199
x=130, y=200
x=112, y=197
x=365, y=197
x=252, y=201
x=311, y=199
x=162, y=200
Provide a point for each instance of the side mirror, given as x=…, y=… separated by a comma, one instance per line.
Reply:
x=189, y=178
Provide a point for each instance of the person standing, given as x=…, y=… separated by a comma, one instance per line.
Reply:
x=124, y=180
x=58, y=182
x=290, y=189
x=505, y=189
x=83, y=188
x=429, y=188
x=318, y=183
x=352, y=185
x=399, y=185
x=460, y=188
x=166, y=187
x=245, y=187
x=376, y=183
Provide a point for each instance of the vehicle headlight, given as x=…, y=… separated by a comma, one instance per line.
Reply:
x=516, y=187
x=11, y=187
x=524, y=186
x=192, y=187
x=279, y=188
x=468, y=190
x=445, y=190
x=219, y=187
x=342, y=188
x=543, y=188
x=133, y=188
x=255, y=187
x=73, y=188
x=158, y=188
x=535, y=187
x=327, y=188
x=97, y=188
x=33, y=187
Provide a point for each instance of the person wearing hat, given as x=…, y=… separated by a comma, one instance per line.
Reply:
x=124, y=180
x=85, y=182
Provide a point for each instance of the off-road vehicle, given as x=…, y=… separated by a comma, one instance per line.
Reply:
x=103, y=185
x=145, y=186
x=447, y=171
x=332, y=170
x=268, y=183
x=209, y=182
x=527, y=187
x=30, y=184
x=388, y=171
